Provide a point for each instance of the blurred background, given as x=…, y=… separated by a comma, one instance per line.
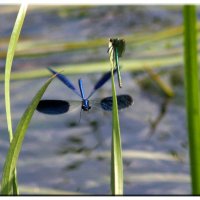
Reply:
x=62, y=156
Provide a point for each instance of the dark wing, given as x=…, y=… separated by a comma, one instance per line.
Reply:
x=121, y=47
x=118, y=44
x=66, y=81
x=101, y=82
x=54, y=107
x=123, y=101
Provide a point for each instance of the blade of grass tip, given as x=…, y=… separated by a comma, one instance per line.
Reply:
x=192, y=89
x=16, y=144
x=9, y=59
x=116, y=154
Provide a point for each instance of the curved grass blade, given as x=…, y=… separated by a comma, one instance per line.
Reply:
x=16, y=144
x=116, y=151
x=9, y=59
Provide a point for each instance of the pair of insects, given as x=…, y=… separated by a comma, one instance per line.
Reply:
x=54, y=107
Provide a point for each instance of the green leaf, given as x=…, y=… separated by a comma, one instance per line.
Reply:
x=9, y=59
x=16, y=144
x=192, y=91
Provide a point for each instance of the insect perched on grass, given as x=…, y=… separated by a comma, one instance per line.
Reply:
x=54, y=107
x=116, y=48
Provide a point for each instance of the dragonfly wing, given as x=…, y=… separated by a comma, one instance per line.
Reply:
x=123, y=101
x=95, y=105
x=101, y=82
x=65, y=80
x=54, y=107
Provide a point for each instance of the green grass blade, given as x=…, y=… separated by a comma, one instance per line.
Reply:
x=9, y=59
x=192, y=90
x=85, y=68
x=16, y=144
x=116, y=151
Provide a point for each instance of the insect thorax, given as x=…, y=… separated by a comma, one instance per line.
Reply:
x=85, y=105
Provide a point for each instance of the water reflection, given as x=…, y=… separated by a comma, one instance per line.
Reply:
x=76, y=145
x=73, y=166
x=71, y=124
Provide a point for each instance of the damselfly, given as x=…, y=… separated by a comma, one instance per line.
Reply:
x=116, y=48
x=54, y=107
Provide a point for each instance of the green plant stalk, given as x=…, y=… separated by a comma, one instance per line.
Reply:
x=9, y=59
x=16, y=144
x=192, y=90
x=116, y=151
